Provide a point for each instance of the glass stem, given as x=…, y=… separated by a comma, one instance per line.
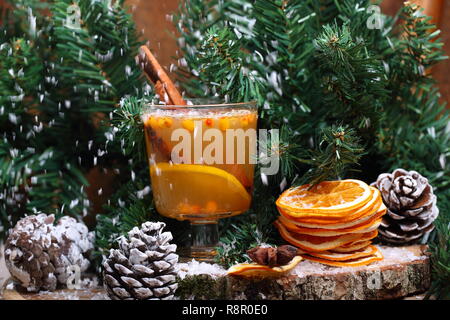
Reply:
x=205, y=238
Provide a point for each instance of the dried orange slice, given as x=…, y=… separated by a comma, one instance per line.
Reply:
x=363, y=261
x=316, y=243
x=353, y=246
x=367, y=227
x=326, y=199
x=376, y=212
x=258, y=270
x=344, y=256
x=372, y=205
x=365, y=221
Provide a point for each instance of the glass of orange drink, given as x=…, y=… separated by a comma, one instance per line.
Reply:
x=201, y=159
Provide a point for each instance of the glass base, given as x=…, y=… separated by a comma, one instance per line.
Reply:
x=205, y=239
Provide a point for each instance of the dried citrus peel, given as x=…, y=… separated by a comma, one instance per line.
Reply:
x=333, y=222
x=366, y=220
x=350, y=263
x=354, y=216
x=350, y=247
x=372, y=225
x=327, y=199
x=317, y=244
x=258, y=270
x=345, y=256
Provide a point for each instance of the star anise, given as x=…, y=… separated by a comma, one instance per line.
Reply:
x=273, y=257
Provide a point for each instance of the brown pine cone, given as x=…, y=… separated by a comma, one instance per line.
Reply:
x=273, y=257
x=38, y=253
x=143, y=268
x=411, y=206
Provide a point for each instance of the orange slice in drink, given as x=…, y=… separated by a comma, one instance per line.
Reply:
x=203, y=187
x=249, y=270
x=363, y=261
x=326, y=199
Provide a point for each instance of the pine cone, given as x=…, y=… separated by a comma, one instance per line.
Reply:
x=38, y=253
x=411, y=206
x=143, y=268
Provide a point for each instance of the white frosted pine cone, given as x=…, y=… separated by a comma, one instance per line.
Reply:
x=143, y=268
x=40, y=254
x=411, y=207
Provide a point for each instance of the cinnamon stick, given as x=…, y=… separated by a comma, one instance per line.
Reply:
x=164, y=86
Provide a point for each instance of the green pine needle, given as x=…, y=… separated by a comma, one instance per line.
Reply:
x=225, y=67
x=338, y=151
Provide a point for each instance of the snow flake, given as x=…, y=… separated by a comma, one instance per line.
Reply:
x=32, y=23
x=142, y=193
x=264, y=179
x=74, y=203
x=442, y=161
x=13, y=118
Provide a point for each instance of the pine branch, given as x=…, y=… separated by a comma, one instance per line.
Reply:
x=352, y=79
x=110, y=228
x=193, y=20
x=34, y=182
x=326, y=10
x=418, y=45
x=338, y=151
x=414, y=133
x=59, y=87
x=440, y=261
x=20, y=72
x=129, y=127
x=225, y=68
x=282, y=36
x=238, y=239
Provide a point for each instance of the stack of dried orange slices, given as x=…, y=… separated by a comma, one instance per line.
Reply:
x=332, y=222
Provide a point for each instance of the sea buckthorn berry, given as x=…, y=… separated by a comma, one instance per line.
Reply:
x=209, y=122
x=188, y=124
x=244, y=121
x=161, y=122
x=251, y=118
x=152, y=122
x=211, y=207
x=147, y=122
x=224, y=123
x=168, y=122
